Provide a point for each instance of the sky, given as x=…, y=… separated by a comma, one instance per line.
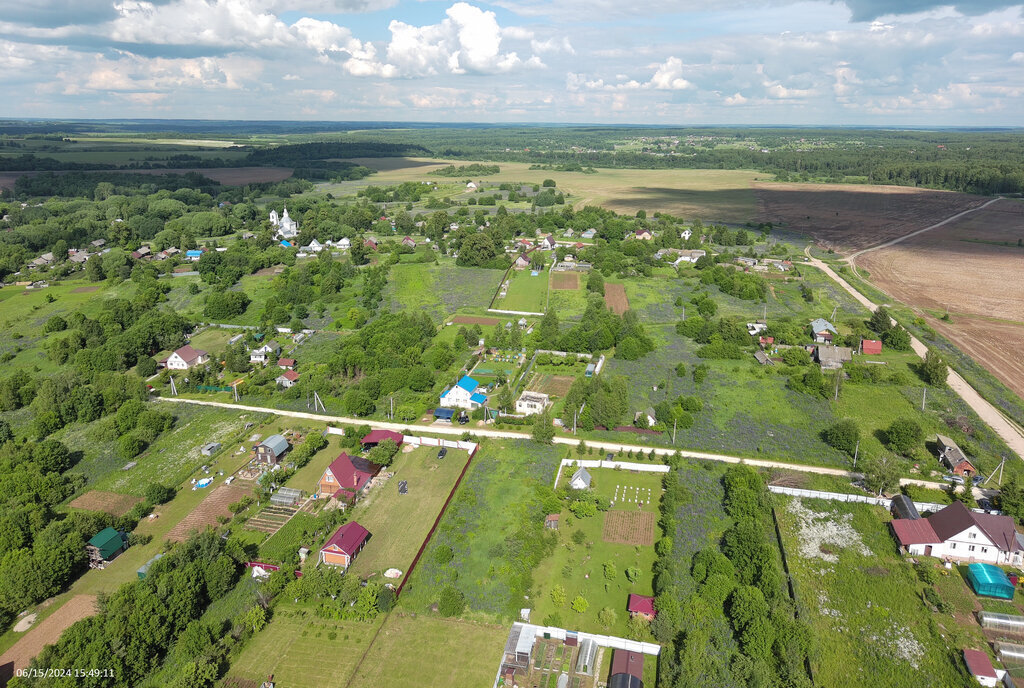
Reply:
x=681, y=62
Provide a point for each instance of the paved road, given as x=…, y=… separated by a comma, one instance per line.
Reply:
x=1007, y=430
x=571, y=441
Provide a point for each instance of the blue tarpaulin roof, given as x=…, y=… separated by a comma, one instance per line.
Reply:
x=444, y=413
x=469, y=384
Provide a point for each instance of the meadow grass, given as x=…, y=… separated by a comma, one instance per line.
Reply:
x=526, y=292
x=441, y=289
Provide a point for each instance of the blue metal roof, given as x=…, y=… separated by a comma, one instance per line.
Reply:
x=285, y=243
x=444, y=413
x=478, y=398
x=193, y=252
x=469, y=384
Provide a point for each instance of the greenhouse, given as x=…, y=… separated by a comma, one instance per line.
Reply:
x=990, y=581
x=1008, y=623
x=1010, y=654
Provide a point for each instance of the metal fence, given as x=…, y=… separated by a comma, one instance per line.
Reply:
x=861, y=499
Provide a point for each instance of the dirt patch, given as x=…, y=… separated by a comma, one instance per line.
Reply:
x=847, y=216
x=24, y=623
x=85, y=290
x=267, y=272
x=474, y=320
x=629, y=527
x=49, y=630
x=615, y=298
x=109, y=502
x=206, y=514
x=552, y=385
x=565, y=280
x=979, y=254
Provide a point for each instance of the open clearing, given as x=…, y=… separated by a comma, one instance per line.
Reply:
x=980, y=256
x=215, y=505
x=110, y=502
x=712, y=195
x=527, y=293
x=565, y=280
x=47, y=632
x=629, y=527
x=85, y=290
x=615, y=298
x=848, y=216
x=474, y=320
x=464, y=653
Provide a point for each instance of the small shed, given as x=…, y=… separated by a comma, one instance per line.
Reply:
x=271, y=449
x=104, y=546
x=989, y=581
x=210, y=448
x=551, y=522
x=286, y=496
x=589, y=372
x=980, y=667
x=580, y=480
x=903, y=507
x=870, y=347
x=143, y=570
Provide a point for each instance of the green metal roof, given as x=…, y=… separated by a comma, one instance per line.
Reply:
x=107, y=541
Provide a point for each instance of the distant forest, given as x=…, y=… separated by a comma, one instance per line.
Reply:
x=973, y=161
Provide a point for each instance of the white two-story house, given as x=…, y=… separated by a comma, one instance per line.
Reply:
x=959, y=534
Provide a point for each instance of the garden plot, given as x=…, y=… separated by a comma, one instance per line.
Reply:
x=864, y=603
x=209, y=511
x=524, y=291
x=629, y=528
x=565, y=281
x=108, y=502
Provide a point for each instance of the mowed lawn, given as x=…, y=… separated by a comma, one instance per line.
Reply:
x=526, y=292
x=579, y=568
x=412, y=652
x=399, y=523
x=302, y=650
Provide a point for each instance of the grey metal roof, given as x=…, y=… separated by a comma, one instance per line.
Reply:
x=527, y=637
x=583, y=474
x=276, y=443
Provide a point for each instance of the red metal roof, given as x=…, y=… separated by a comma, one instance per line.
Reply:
x=870, y=346
x=188, y=354
x=286, y=361
x=915, y=532
x=348, y=538
x=640, y=604
x=289, y=375
x=377, y=436
x=979, y=664
x=352, y=473
x=625, y=662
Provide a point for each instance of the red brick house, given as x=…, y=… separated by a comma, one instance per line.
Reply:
x=341, y=549
x=642, y=606
x=347, y=477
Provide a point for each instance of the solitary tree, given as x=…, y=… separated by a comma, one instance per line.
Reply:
x=934, y=369
x=843, y=435
x=881, y=474
x=881, y=321
x=543, y=430
x=903, y=435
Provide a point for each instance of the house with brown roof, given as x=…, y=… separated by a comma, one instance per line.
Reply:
x=375, y=437
x=956, y=533
x=287, y=379
x=347, y=477
x=408, y=241
x=370, y=244
x=286, y=363
x=627, y=670
x=952, y=457
x=344, y=545
x=522, y=262
x=185, y=358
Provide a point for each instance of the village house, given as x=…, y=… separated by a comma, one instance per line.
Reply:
x=347, y=478
x=105, y=546
x=958, y=534
x=408, y=241
x=78, y=257
x=823, y=331
x=647, y=415
x=530, y=403
x=870, y=347
x=344, y=243
x=193, y=254
x=686, y=234
x=588, y=233
x=263, y=353
x=271, y=449
x=286, y=363
x=690, y=256
x=287, y=379
x=952, y=457
x=141, y=252
x=344, y=545
x=643, y=235
x=548, y=243
x=522, y=262
x=749, y=262
x=464, y=395
x=370, y=244
x=185, y=358
x=99, y=243
x=980, y=667
x=832, y=357
x=627, y=670
x=375, y=437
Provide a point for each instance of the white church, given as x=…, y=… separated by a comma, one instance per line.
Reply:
x=286, y=227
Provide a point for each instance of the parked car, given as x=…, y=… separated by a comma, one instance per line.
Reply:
x=955, y=479
x=463, y=419
x=986, y=504
x=978, y=479
x=442, y=453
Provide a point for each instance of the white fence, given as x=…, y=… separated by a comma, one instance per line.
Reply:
x=861, y=499
x=422, y=441
x=498, y=310
x=601, y=463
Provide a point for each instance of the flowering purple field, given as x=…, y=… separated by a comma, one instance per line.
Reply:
x=701, y=521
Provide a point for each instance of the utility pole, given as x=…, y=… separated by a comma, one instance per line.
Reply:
x=838, y=373
x=174, y=390
x=573, y=422
x=834, y=313
x=855, y=452
x=674, y=431
x=924, y=395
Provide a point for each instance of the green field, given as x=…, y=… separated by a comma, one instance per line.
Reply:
x=579, y=569
x=869, y=624
x=569, y=303
x=441, y=289
x=399, y=523
x=526, y=292
x=301, y=649
x=411, y=652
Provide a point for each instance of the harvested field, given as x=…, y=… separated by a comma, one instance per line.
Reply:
x=629, y=527
x=85, y=290
x=109, y=502
x=215, y=505
x=552, y=385
x=979, y=254
x=474, y=320
x=49, y=630
x=850, y=217
x=565, y=280
x=615, y=298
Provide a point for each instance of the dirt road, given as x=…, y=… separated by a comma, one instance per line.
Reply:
x=1007, y=430
x=571, y=441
